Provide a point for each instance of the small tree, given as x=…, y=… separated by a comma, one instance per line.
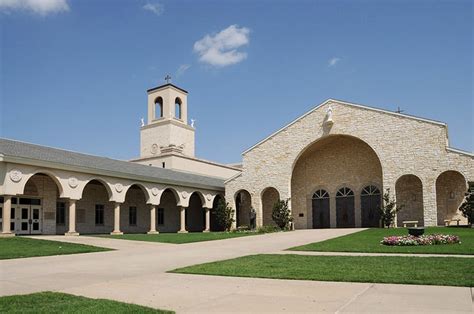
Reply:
x=224, y=215
x=467, y=207
x=281, y=214
x=388, y=209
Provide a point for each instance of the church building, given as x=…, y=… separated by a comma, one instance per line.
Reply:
x=333, y=164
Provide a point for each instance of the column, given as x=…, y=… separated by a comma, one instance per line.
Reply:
x=207, y=227
x=72, y=219
x=430, y=210
x=182, y=220
x=116, y=220
x=7, y=209
x=153, y=220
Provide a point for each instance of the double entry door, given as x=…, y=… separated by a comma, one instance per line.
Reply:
x=26, y=216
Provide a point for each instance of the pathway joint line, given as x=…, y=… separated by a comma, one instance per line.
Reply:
x=355, y=297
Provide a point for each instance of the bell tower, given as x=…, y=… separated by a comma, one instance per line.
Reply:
x=167, y=129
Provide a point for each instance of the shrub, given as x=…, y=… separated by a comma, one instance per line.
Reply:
x=281, y=214
x=388, y=209
x=267, y=229
x=224, y=215
x=467, y=207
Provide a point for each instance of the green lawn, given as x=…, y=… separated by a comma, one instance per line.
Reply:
x=18, y=247
x=180, y=238
x=447, y=271
x=369, y=241
x=53, y=302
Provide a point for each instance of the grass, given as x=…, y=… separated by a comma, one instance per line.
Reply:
x=19, y=247
x=53, y=302
x=180, y=238
x=446, y=271
x=368, y=241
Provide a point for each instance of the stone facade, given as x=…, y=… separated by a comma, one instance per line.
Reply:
x=402, y=144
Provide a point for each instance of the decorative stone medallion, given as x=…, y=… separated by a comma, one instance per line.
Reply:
x=184, y=194
x=119, y=187
x=208, y=197
x=73, y=183
x=16, y=175
x=154, y=191
x=154, y=149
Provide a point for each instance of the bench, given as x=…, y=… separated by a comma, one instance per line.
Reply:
x=410, y=222
x=447, y=222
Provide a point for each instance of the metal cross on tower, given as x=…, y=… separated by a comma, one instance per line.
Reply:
x=399, y=110
x=168, y=79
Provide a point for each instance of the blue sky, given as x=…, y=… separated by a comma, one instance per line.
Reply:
x=74, y=74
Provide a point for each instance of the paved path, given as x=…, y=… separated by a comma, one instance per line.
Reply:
x=136, y=273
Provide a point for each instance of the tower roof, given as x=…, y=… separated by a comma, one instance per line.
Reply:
x=166, y=85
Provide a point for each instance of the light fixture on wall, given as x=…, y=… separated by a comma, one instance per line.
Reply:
x=451, y=195
x=413, y=197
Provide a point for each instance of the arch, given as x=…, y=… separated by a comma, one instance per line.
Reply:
x=370, y=200
x=195, y=213
x=269, y=196
x=320, y=209
x=102, y=181
x=332, y=162
x=49, y=174
x=409, y=194
x=215, y=225
x=451, y=187
x=135, y=211
x=243, y=205
x=168, y=215
x=142, y=187
x=158, y=108
x=178, y=108
x=345, y=208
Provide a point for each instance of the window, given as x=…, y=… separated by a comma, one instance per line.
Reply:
x=158, y=108
x=320, y=194
x=1, y=200
x=132, y=216
x=177, y=108
x=345, y=192
x=161, y=216
x=163, y=164
x=60, y=213
x=99, y=214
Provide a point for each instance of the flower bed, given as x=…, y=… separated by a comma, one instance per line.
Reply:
x=431, y=239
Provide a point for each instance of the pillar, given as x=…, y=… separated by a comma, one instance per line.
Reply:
x=430, y=210
x=116, y=220
x=153, y=220
x=7, y=210
x=72, y=219
x=182, y=220
x=207, y=227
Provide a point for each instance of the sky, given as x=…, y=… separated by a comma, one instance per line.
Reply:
x=74, y=73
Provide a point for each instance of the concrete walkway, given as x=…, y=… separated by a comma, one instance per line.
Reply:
x=136, y=273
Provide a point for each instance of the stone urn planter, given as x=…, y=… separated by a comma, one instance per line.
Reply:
x=416, y=231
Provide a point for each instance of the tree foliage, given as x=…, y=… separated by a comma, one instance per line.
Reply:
x=388, y=209
x=467, y=207
x=224, y=215
x=281, y=214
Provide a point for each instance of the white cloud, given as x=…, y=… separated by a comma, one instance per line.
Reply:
x=40, y=7
x=221, y=49
x=155, y=8
x=182, y=68
x=333, y=61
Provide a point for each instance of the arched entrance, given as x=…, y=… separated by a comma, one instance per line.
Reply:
x=34, y=212
x=320, y=203
x=451, y=187
x=370, y=201
x=345, y=210
x=269, y=197
x=168, y=215
x=195, y=214
x=134, y=213
x=94, y=212
x=332, y=162
x=243, y=204
x=409, y=194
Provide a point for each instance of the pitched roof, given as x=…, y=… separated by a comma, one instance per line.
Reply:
x=92, y=164
x=347, y=104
